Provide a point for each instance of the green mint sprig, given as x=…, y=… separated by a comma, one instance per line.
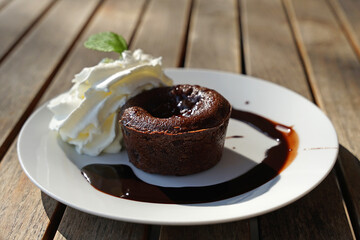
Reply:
x=106, y=42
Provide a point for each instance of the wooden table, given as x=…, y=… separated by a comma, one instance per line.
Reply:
x=311, y=47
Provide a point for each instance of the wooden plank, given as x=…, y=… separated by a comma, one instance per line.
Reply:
x=205, y=50
x=330, y=73
x=79, y=225
x=271, y=53
x=30, y=65
x=163, y=29
x=24, y=210
x=214, y=40
x=233, y=230
x=16, y=19
x=120, y=17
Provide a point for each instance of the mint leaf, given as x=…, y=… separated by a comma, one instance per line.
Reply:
x=107, y=42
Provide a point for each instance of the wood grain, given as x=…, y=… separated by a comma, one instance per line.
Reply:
x=271, y=53
x=162, y=30
x=17, y=19
x=214, y=38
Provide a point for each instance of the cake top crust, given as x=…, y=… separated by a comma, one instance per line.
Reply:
x=176, y=109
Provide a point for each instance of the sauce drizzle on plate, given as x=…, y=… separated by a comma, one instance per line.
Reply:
x=120, y=181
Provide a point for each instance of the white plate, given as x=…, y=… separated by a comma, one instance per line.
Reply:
x=54, y=167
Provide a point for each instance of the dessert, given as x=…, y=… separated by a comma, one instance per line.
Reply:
x=168, y=130
x=177, y=130
x=86, y=115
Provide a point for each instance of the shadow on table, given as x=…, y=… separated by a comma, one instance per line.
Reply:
x=81, y=225
x=348, y=173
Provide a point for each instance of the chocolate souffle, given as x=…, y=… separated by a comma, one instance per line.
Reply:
x=178, y=130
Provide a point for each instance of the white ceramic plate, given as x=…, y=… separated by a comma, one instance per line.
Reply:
x=54, y=167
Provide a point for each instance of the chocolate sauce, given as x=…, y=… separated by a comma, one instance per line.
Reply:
x=120, y=181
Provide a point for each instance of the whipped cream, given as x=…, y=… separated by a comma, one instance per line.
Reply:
x=86, y=115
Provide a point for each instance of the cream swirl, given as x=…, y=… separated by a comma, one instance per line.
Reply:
x=86, y=115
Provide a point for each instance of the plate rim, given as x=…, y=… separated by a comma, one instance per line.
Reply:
x=189, y=222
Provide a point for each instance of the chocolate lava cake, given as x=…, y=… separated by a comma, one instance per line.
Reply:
x=178, y=130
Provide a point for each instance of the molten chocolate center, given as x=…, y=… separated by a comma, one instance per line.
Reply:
x=180, y=102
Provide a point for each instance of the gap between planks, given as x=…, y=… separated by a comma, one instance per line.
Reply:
x=14, y=132
x=138, y=22
x=304, y=57
x=345, y=26
x=54, y=222
x=27, y=30
x=182, y=59
x=240, y=16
